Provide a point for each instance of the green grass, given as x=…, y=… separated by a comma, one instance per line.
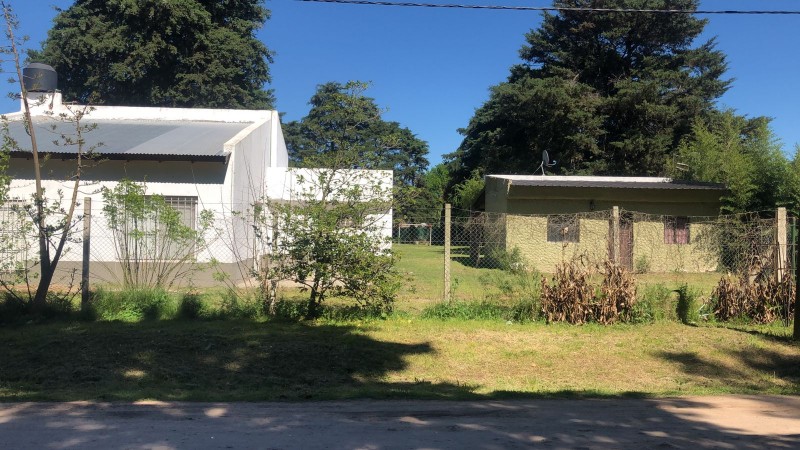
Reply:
x=397, y=358
x=481, y=345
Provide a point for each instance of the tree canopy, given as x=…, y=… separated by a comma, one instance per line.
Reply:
x=744, y=155
x=344, y=130
x=188, y=53
x=604, y=92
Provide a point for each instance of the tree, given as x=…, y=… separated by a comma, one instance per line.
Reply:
x=52, y=220
x=190, y=53
x=603, y=92
x=740, y=153
x=344, y=130
x=330, y=239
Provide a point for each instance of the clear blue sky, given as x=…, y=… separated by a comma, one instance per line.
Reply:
x=431, y=68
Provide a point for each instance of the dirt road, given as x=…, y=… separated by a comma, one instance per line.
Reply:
x=691, y=422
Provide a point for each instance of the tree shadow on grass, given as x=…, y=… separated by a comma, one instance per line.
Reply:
x=233, y=360
x=230, y=360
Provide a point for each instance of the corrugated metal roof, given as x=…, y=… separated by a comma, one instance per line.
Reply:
x=606, y=182
x=137, y=139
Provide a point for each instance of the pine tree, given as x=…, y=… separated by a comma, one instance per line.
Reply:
x=192, y=53
x=603, y=92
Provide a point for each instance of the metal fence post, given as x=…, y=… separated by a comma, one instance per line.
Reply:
x=87, y=233
x=447, y=292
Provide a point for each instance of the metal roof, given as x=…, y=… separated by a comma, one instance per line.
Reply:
x=606, y=182
x=133, y=139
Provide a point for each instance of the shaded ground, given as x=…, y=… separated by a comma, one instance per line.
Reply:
x=396, y=358
x=688, y=422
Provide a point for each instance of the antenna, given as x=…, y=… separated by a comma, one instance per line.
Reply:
x=545, y=162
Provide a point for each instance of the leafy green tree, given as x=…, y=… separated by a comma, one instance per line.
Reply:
x=603, y=92
x=344, y=130
x=188, y=53
x=331, y=239
x=741, y=153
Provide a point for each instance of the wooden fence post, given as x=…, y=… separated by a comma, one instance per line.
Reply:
x=447, y=292
x=87, y=233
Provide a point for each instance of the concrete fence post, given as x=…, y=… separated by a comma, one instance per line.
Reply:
x=447, y=292
x=615, y=234
x=796, y=245
x=782, y=255
x=87, y=234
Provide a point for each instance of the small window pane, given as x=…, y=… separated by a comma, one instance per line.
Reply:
x=563, y=229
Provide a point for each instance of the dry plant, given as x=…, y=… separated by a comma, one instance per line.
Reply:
x=617, y=294
x=762, y=299
x=570, y=296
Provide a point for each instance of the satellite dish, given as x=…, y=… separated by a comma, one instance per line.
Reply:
x=545, y=162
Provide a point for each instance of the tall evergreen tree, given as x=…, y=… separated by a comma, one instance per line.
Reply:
x=344, y=130
x=188, y=53
x=603, y=92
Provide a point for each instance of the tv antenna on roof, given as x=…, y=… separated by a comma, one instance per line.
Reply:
x=545, y=162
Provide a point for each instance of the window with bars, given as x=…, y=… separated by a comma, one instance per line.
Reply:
x=676, y=230
x=563, y=228
x=12, y=237
x=159, y=230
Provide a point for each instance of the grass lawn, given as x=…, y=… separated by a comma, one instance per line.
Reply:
x=401, y=357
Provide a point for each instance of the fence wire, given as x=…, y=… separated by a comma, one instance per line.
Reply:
x=486, y=248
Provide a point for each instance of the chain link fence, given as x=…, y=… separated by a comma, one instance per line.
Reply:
x=658, y=249
x=485, y=250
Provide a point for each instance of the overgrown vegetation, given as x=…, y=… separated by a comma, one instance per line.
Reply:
x=572, y=298
x=762, y=299
x=153, y=243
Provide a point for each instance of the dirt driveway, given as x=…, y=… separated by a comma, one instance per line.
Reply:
x=689, y=422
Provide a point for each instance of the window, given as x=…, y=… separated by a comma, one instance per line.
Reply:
x=563, y=228
x=12, y=235
x=159, y=231
x=676, y=230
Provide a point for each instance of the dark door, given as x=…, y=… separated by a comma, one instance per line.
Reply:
x=625, y=240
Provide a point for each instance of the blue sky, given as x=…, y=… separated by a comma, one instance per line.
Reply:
x=431, y=68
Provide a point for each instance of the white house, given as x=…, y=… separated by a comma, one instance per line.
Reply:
x=222, y=161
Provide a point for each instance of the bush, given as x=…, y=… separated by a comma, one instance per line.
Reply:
x=240, y=305
x=687, y=309
x=15, y=309
x=190, y=307
x=524, y=288
x=653, y=305
x=642, y=265
x=133, y=305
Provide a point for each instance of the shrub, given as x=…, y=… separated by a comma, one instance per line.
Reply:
x=240, y=305
x=687, y=309
x=523, y=288
x=15, y=309
x=133, y=305
x=190, y=307
x=653, y=305
x=642, y=265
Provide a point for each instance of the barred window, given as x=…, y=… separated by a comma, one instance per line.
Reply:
x=12, y=238
x=563, y=228
x=146, y=236
x=676, y=230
